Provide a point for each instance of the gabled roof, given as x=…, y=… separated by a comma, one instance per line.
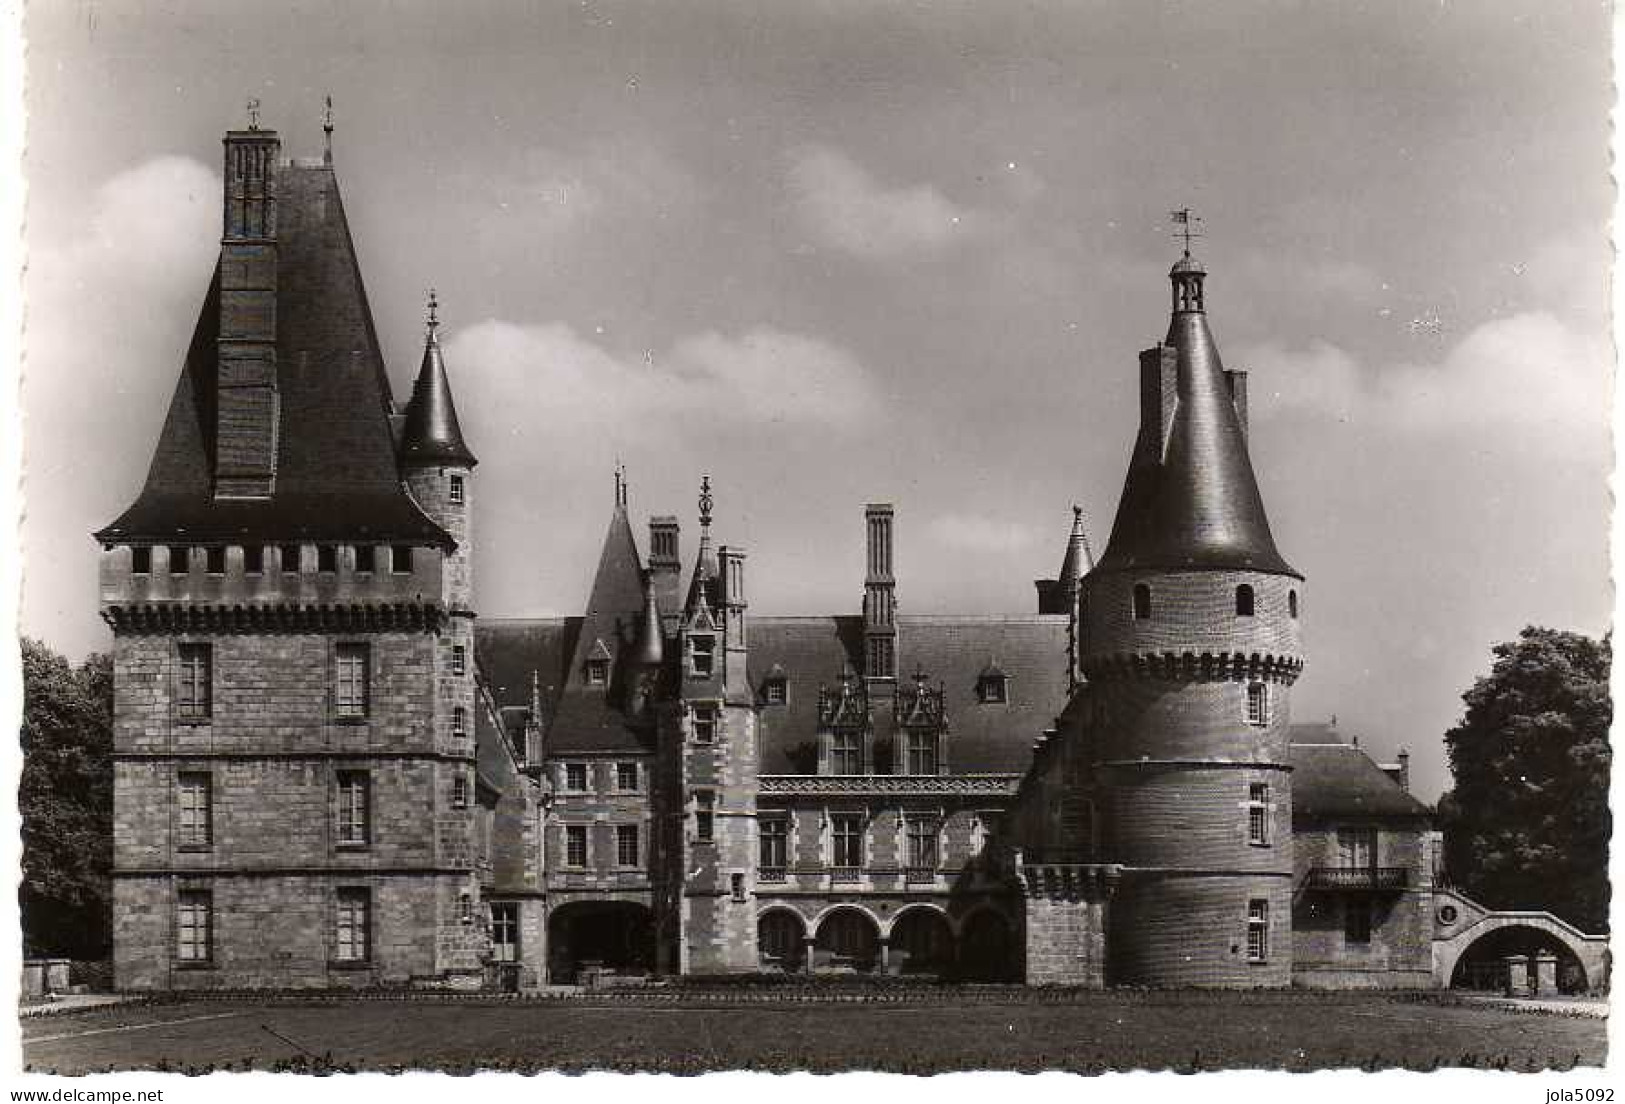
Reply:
x=1338, y=779
x=1195, y=503
x=337, y=475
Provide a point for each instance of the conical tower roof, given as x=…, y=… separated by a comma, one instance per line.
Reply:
x=1193, y=503
x=432, y=435
x=1079, y=559
x=706, y=570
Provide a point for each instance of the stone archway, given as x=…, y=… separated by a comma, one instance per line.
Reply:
x=1461, y=925
x=987, y=948
x=588, y=938
x=921, y=942
x=848, y=939
x=781, y=940
x=1482, y=963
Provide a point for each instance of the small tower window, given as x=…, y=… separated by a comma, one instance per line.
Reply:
x=1258, y=704
x=400, y=559
x=705, y=724
x=459, y=792
x=704, y=828
x=1142, y=601
x=177, y=559
x=1244, y=600
x=1258, y=931
x=1292, y=603
x=459, y=722
x=365, y=558
x=1258, y=814
x=455, y=492
x=141, y=561
x=597, y=672
x=459, y=659
x=254, y=559
x=290, y=559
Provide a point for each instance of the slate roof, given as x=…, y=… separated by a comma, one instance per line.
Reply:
x=1194, y=504
x=1338, y=779
x=431, y=434
x=337, y=473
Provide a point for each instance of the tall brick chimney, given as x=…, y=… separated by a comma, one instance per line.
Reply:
x=879, y=595
x=248, y=410
x=665, y=564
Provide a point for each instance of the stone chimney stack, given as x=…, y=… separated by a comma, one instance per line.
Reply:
x=665, y=564
x=248, y=410
x=879, y=595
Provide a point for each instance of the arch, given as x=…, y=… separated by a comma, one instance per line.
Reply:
x=848, y=939
x=987, y=947
x=585, y=938
x=781, y=940
x=1244, y=600
x=1142, y=601
x=1582, y=962
x=921, y=941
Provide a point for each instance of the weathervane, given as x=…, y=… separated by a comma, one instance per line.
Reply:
x=1185, y=223
x=327, y=130
x=253, y=113
x=434, y=314
x=705, y=502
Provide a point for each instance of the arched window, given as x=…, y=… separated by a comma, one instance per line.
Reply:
x=1244, y=600
x=1142, y=601
x=1292, y=603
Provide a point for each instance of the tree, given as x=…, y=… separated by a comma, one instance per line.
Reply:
x=66, y=800
x=1527, y=823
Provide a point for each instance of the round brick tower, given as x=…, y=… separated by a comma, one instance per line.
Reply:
x=1191, y=646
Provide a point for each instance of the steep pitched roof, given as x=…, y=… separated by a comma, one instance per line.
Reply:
x=982, y=737
x=1195, y=503
x=1337, y=779
x=337, y=474
x=512, y=651
x=431, y=434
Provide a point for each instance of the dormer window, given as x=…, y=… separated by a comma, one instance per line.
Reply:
x=702, y=656
x=775, y=690
x=597, y=672
x=992, y=689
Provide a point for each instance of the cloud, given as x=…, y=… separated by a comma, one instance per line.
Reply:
x=842, y=205
x=1528, y=373
x=975, y=533
x=550, y=374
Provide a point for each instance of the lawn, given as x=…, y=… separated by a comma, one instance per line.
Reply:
x=1117, y=1031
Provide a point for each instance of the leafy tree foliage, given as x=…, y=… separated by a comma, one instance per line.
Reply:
x=66, y=801
x=1527, y=823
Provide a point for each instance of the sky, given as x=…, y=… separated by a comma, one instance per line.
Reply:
x=834, y=252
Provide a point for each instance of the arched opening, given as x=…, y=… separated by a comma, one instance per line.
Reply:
x=1484, y=966
x=780, y=943
x=1142, y=601
x=986, y=949
x=847, y=940
x=1244, y=600
x=586, y=939
x=921, y=943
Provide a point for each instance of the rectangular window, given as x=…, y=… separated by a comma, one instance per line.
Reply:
x=704, y=829
x=597, y=672
x=400, y=559
x=505, y=931
x=773, y=692
x=922, y=844
x=1258, y=704
x=455, y=491
x=702, y=656
x=194, y=926
x=459, y=660
x=459, y=792
x=922, y=753
x=254, y=559
x=736, y=883
x=327, y=557
x=194, y=686
x=459, y=722
x=350, y=684
x=847, y=833
x=290, y=559
x=626, y=845
x=626, y=777
x=365, y=558
x=354, y=822
x=1258, y=931
x=214, y=560
x=1357, y=848
x=575, y=777
x=845, y=753
x=353, y=926
x=1258, y=814
x=774, y=834
x=705, y=724
x=1356, y=920
x=575, y=845
x=141, y=561
x=195, y=800
x=178, y=564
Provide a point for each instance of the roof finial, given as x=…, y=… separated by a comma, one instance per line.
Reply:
x=327, y=131
x=706, y=502
x=253, y=113
x=433, y=320
x=620, y=484
x=1186, y=223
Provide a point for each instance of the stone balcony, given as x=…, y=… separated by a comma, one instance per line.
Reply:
x=889, y=785
x=1357, y=879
